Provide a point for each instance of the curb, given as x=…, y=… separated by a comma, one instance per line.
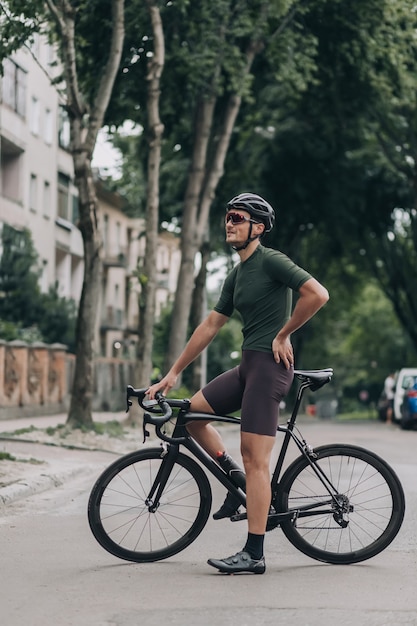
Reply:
x=41, y=483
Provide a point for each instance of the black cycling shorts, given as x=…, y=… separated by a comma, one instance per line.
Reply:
x=256, y=386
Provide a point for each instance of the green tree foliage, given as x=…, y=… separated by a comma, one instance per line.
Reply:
x=57, y=318
x=20, y=295
x=364, y=343
x=337, y=156
x=345, y=160
x=25, y=312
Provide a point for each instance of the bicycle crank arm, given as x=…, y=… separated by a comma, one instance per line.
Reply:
x=238, y=517
x=277, y=517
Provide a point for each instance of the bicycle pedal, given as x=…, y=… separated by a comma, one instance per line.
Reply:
x=238, y=517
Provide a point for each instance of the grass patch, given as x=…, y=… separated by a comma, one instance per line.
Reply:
x=23, y=431
x=112, y=428
x=6, y=456
x=62, y=430
x=356, y=415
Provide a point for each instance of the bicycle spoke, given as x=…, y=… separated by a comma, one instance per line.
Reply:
x=130, y=523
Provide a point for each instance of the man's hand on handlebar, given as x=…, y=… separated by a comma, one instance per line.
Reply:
x=164, y=386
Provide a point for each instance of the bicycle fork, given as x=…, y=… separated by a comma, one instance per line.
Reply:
x=169, y=455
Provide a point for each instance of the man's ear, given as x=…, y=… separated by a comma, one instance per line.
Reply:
x=260, y=228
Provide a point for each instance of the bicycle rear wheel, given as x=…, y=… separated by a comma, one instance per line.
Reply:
x=360, y=522
x=121, y=513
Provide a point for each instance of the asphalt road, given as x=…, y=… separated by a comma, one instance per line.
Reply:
x=54, y=572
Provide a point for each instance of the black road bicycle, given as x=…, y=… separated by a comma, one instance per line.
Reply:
x=337, y=503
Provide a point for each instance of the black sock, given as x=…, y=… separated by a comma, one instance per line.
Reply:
x=255, y=546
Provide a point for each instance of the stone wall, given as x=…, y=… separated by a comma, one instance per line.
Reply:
x=35, y=379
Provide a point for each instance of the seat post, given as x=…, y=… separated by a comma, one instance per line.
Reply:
x=303, y=386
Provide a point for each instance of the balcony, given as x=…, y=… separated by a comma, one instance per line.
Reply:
x=115, y=257
x=113, y=319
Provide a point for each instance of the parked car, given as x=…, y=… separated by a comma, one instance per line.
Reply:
x=405, y=398
x=408, y=417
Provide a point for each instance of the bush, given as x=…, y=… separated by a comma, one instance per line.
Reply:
x=25, y=312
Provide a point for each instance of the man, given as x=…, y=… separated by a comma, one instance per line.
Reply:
x=260, y=289
x=389, y=389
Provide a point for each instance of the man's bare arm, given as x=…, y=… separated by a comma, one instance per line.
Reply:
x=200, y=339
x=312, y=296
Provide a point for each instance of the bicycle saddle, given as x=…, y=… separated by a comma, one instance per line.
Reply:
x=316, y=378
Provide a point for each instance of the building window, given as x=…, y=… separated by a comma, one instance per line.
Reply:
x=33, y=192
x=46, y=198
x=48, y=130
x=63, y=129
x=10, y=172
x=75, y=209
x=118, y=237
x=106, y=234
x=63, y=195
x=35, y=116
x=14, y=87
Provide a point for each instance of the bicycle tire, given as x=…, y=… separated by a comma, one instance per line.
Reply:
x=373, y=490
x=120, y=517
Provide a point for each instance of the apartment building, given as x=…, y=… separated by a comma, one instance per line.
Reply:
x=37, y=192
x=123, y=249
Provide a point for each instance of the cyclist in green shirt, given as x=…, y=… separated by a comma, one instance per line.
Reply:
x=260, y=288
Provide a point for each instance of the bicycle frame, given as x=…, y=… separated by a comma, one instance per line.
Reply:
x=180, y=436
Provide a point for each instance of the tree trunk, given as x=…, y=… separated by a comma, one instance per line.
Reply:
x=195, y=220
x=189, y=236
x=85, y=124
x=149, y=275
x=80, y=411
x=198, y=313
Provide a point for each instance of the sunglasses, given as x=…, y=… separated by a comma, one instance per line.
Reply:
x=237, y=218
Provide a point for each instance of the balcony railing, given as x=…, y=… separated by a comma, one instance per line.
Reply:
x=113, y=318
x=115, y=256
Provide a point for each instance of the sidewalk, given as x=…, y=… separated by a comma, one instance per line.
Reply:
x=34, y=459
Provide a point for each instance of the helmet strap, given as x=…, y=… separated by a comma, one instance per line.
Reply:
x=248, y=240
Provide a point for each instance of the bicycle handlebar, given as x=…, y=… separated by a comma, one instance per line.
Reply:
x=154, y=406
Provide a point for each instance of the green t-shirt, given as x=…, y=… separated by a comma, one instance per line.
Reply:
x=260, y=289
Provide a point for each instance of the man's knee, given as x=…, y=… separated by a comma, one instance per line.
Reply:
x=199, y=404
x=256, y=451
x=195, y=427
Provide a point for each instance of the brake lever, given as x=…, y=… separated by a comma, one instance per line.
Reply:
x=146, y=432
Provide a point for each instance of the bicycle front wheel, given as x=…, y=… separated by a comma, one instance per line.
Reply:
x=357, y=520
x=127, y=521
